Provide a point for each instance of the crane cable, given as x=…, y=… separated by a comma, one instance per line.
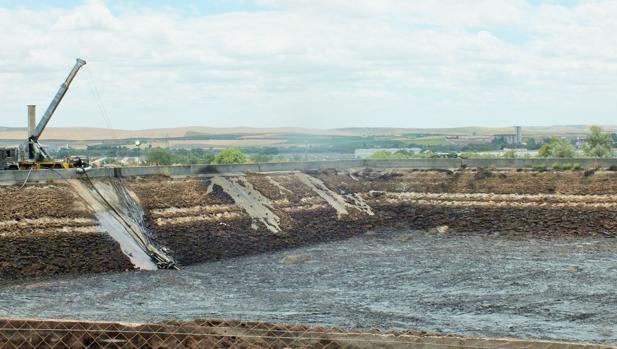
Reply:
x=161, y=259
x=27, y=178
x=97, y=98
x=100, y=105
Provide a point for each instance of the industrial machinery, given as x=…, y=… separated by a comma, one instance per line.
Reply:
x=30, y=154
x=8, y=159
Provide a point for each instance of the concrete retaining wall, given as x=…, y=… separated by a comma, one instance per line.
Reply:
x=529, y=163
x=18, y=177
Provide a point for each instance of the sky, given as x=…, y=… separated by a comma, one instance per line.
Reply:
x=311, y=63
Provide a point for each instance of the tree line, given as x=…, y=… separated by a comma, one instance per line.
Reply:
x=598, y=144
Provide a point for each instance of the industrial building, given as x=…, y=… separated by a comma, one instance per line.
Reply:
x=512, y=138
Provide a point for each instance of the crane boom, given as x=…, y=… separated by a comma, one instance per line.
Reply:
x=34, y=137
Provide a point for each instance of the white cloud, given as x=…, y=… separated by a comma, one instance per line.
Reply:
x=317, y=63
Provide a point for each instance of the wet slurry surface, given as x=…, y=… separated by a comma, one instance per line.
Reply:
x=471, y=285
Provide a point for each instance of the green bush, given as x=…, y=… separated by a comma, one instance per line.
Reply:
x=160, y=156
x=230, y=156
x=557, y=148
x=509, y=154
x=386, y=155
x=598, y=144
x=539, y=167
x=598, y=151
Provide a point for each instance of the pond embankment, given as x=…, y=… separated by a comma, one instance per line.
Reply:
x=56, y=228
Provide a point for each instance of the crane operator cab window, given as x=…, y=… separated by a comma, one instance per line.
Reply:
x=8, y=153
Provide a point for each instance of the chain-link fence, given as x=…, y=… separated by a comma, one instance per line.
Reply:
x=43, y=334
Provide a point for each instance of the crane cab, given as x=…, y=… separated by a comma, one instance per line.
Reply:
x=9, y=159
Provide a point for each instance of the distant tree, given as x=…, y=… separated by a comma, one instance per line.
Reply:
x=407, y=154
x=509, y=154
x=599, y=151
x=159, y=156
x=469, y=155
x=381, y=155
x=192, y=156
x=532, y=144
x=386, y=155
x=545, y=151
x=498, y=143
x=598, y=143
x=557, y=148
x=564, y=150
x=230, y=156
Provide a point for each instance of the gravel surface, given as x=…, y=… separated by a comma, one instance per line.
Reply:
x=470, y=285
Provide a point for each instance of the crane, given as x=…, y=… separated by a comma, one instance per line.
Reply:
x=32, y=149
x=31, y=154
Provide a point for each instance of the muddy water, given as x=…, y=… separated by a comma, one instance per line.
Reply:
x=471, y=285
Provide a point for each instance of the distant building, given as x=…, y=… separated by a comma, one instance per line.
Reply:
x=515, y=138
x=506, y=138
x=580, y=141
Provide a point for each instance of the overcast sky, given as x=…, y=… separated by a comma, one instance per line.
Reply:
x=311, y=63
